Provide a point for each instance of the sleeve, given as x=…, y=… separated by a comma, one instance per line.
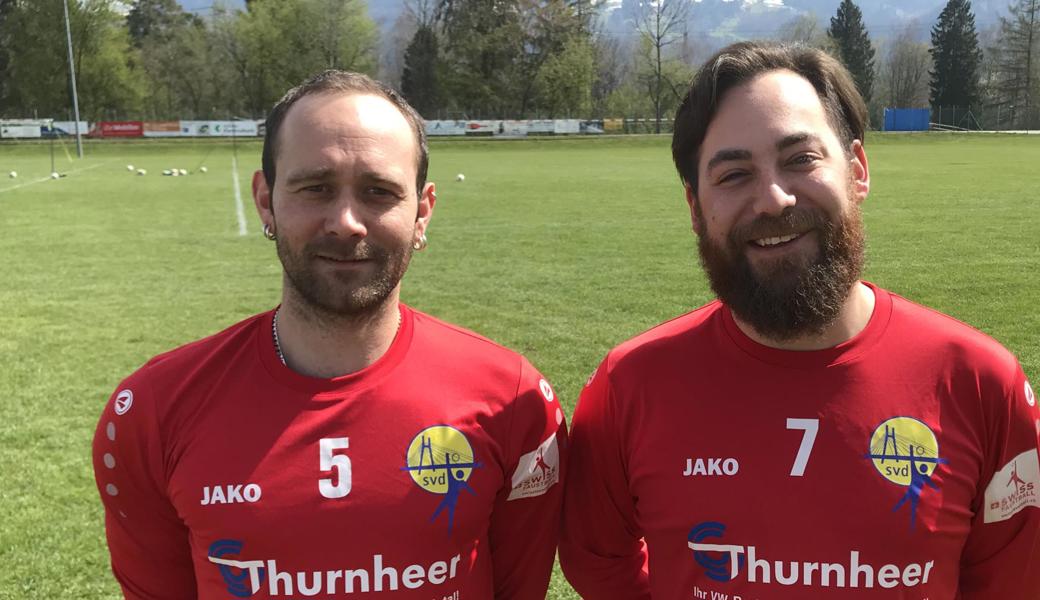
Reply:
x=602, y=552
x=525, y=520
x=148, y=542
x=1001, y=557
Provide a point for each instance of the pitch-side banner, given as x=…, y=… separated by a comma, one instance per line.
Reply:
x=20, y=131
x=69, y=127
x=162, y=128
x=445, y=128
x=219, y=128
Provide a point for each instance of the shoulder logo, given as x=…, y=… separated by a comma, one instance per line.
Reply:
x=1013, y=488
x=124, y=399
x=906, y=452
x=1030, y=396
x=440, y=460
x=537, y=470
x=546, y=390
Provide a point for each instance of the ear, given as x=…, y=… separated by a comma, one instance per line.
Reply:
x=691, y=201
x=262, y=199
x=427, y=199
x=860, y=175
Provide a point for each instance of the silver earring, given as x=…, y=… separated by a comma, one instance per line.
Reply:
x=268, y=232
x=420, y=244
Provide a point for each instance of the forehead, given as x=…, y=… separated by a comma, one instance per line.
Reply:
x=763, y=110
x=331, y=124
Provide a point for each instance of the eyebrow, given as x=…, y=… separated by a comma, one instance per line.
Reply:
x=323, y=173
x=728, y=154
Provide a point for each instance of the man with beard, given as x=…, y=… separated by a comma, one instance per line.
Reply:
x=309, y=450
x=808, y=435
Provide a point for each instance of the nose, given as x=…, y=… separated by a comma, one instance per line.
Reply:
x=773, y=195
x=346, y=218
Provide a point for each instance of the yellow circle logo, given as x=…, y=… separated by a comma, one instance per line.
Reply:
x=440, y=459
x=904, y=450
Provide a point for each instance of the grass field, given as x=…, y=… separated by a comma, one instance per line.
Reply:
x=558, y=248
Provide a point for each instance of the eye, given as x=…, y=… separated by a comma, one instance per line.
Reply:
x=805, y=158
x=317, y=188
x=730, y=177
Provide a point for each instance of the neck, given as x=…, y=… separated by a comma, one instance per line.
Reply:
x=853, y=318
x=318, y=344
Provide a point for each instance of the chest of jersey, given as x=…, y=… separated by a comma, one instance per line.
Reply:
x=334, y=495
x=774, y=486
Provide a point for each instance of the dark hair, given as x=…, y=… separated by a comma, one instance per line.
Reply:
x=741, y=62
x=346, y=82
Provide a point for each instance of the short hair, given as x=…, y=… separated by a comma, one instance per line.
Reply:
x=738, y=63
x=346, y=82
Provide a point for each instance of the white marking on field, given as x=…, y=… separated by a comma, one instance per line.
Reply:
x=48, y=178
x=240, y=211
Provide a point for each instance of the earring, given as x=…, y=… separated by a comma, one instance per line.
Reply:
x=268, y=232
x=420, y=244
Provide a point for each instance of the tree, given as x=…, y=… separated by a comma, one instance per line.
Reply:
x=565, y=79
x=660, y=23
x=154, y=18
x=955, y=57
x=807, y=30
x=38, y=82
x=420, y=83
x=904, y=74
x=1018, y=59
x=6, y=7
x=853, y=46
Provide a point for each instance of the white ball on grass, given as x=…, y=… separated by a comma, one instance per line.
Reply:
x=142, y=172
x=55, y=176
x=203, y=169
x=183, y=171
x=167, y=172
x=129, y=167
x=460, y=177
x=13, y=174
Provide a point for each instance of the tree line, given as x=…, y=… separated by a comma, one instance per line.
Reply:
x=472, y=58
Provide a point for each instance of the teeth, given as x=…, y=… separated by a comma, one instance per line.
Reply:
x=772, y=241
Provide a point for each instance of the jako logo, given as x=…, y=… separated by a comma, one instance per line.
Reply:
x=726, y=562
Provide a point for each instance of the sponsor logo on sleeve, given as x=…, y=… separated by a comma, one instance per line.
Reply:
x=537, y=470
x=440, y=460
x=905, y=451
x=124, y=400
x=546, y=389
x=1013, y=488
x=1030, y=396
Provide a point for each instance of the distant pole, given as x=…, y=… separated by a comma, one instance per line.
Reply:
x=72, y=78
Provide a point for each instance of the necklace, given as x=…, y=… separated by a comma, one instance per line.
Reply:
x=278, y=346
x=274, y=334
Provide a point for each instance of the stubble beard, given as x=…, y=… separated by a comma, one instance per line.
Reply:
x=791, y=297
x=342, y=295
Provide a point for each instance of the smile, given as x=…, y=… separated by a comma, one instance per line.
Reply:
x=773, y=241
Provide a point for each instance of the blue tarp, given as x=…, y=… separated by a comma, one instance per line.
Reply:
x=906, y=119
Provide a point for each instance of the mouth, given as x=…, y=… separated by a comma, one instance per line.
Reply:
x=777, y=240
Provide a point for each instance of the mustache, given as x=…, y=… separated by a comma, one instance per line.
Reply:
x=342, y=250
x=793, y=220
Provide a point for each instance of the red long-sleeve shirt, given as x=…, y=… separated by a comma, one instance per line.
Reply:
x=433, y=473
x=900, y=464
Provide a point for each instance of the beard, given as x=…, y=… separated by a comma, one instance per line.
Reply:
x=794, y=296
x=347, y=293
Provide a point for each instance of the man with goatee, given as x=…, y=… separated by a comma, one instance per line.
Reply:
x=311, y=450
x=808, y=435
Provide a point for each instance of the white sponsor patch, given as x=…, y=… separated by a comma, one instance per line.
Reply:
x=537, y=470
x=546, y=390
x=1030, y=396
x=124, y=400
x=1014, y=487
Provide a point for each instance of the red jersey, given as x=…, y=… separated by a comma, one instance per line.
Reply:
x=432, y=473
x=902, y=463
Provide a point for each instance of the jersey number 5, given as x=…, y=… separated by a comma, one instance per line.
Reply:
x=338, y=485
x=809, y=428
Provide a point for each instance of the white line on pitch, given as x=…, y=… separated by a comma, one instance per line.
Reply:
x=239, y=209
x=42, y=179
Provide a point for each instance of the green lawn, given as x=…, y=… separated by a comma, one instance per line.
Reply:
x=558, y=248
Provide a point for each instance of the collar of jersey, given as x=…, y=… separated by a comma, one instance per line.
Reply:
x=352, y=382
x=844, y=352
